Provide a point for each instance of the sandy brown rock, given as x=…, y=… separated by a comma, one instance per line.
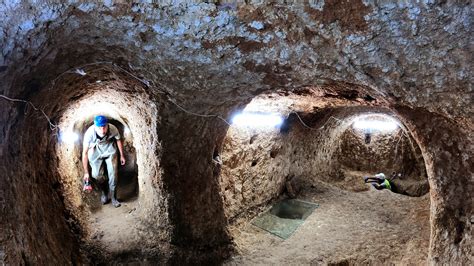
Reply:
x=150, y=61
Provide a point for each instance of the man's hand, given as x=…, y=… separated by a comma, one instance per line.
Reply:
x=87, y=185
x=120, y=147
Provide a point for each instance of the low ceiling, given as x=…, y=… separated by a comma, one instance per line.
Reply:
x=208, y=55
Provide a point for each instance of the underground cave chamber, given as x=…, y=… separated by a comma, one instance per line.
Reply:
x=171, y=75
x=321, y=158
x=318, y=153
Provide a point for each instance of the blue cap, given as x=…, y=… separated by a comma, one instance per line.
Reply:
x=100, y=121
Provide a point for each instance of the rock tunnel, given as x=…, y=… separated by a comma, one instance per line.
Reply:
x=171, y=77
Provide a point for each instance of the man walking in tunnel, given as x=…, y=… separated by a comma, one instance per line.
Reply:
x=98, y=148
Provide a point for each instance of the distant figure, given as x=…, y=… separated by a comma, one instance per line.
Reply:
x=379, y=181
x=99, y=147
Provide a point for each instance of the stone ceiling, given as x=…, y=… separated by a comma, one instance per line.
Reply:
x=414, y=54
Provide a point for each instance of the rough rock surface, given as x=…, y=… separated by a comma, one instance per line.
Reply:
x=255, y=168
x=386, y=152
x=349, y=228
x=257, y=163
x=212, y=59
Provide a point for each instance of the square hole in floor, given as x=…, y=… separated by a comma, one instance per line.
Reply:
x=285, y=217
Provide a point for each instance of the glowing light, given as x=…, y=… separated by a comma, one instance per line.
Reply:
x=80, y=72
x=380, y=125
x=69, y=137
x=257, y=120
x=126, y=131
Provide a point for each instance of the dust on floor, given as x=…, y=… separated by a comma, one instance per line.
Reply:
x=367, y=227
x=115, y=229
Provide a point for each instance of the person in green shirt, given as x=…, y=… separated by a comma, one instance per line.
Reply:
x=379, y=181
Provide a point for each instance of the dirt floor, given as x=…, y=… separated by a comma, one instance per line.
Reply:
x=115, y=229
x=352, y=225
x=349, y=227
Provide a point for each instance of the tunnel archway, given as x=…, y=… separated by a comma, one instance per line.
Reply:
x=307, y=155
x=109, y=230
x=110, y=89
x=104, y=233
x=378, y=142
x=128, y=173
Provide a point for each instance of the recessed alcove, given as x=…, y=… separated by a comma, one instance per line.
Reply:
x=322, y=158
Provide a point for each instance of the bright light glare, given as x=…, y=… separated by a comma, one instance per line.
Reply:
x=126, y=131
x=257, y=120
x=69, y=137
x=387, y=125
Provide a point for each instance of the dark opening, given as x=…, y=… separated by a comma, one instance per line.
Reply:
x=274, y=153
x=127, y=184
x=292, y=209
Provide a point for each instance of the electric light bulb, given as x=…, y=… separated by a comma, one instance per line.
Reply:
x=257, y=120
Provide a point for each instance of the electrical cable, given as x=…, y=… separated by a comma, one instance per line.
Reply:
x=52, y=126
x=312, y=128
x=79, y=70
x=196, y=114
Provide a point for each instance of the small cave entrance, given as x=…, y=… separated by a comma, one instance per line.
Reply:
x=127, y=183
x=292, y=209
x=284, y=217
x=109, y=231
